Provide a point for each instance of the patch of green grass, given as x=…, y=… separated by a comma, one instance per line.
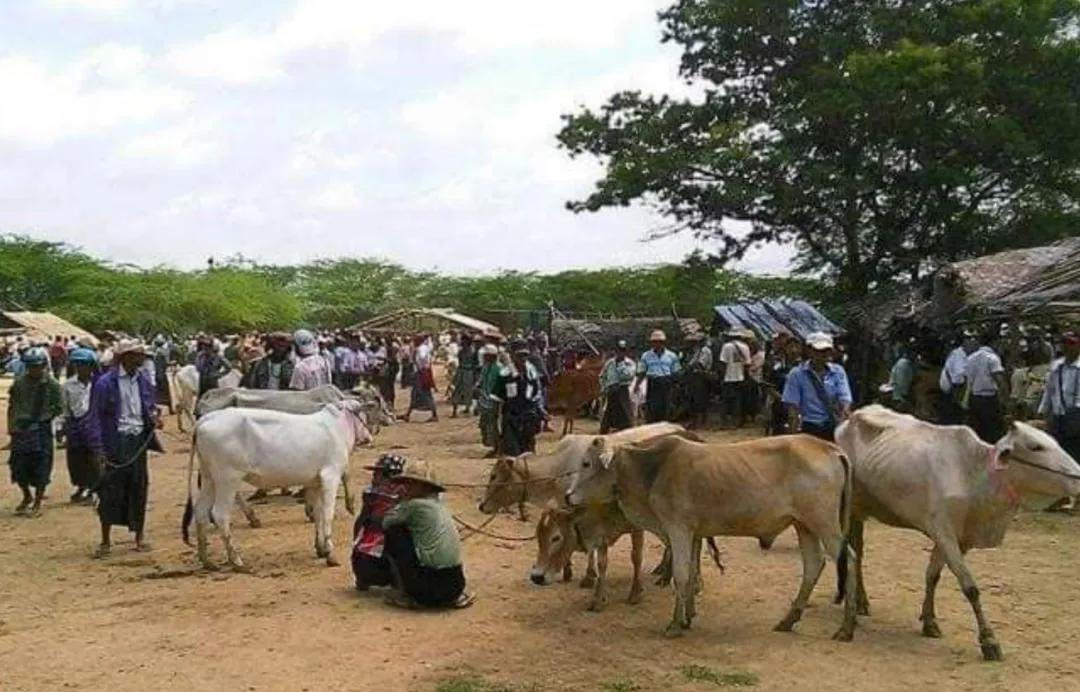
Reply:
x=474, y=684
x=621, y=686
x=737, y=678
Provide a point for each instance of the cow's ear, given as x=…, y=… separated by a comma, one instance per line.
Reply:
x=598, y=442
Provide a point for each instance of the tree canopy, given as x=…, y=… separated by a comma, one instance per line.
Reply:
x=242, y=295
x=880, y=137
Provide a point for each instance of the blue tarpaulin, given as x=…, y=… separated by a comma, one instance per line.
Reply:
x=768, y=318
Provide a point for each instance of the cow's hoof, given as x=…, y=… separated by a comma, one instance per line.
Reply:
x=587, y=582
x=785, y=625
x=332, y=561
x=664, y=580
x=674, y=631
x=765, y=543
x=635, y=597
x=597, y=605
x=930, y=629
x=991, y=652
x=256, y=523
x=844, y=634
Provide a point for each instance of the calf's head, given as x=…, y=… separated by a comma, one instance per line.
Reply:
x=594, y=479
x=555, y=544
x=504, y=489
x=356, y=418
x=1038, y=468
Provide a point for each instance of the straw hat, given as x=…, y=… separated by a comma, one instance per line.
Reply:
x=419, y=472
x=658, y=335
x=125, y=346
x=695, y=336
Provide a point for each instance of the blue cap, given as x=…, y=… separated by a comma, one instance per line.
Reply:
x=83, y=356
x=35, y=356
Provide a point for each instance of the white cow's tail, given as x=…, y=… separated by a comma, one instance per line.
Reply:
x=845, y=527
x=189, y=512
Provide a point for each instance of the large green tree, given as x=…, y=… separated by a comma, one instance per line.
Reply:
x=880, y=137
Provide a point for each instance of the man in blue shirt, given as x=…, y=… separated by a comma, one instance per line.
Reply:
x=658, y=367
x=817, y=392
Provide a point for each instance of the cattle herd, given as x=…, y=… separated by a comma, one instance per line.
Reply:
x=939, y=480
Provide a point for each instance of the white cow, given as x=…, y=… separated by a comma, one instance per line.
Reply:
x=270, y=449
x=944, y=482
x=185, y=388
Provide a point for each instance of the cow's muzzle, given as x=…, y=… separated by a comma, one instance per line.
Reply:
x=538, y=577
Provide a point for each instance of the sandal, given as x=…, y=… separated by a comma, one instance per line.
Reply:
x=144, y=547
x=465, y=600
x=400, y=600
x=102, y=550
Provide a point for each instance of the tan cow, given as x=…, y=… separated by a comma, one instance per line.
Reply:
x=682, y=490
x=561, y=532
x=947, y=484
x=572, y=390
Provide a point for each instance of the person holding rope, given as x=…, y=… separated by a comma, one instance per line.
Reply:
x=123, y=418
x=423, y=546
x=33, y=403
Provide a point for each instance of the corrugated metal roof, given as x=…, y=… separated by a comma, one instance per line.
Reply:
x=772, y=317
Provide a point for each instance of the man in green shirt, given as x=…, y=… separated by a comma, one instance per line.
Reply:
x=423, y=546
x=33, y=403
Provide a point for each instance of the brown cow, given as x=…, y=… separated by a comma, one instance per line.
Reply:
x=572, y=390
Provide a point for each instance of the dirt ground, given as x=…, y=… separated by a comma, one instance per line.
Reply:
x=155, y=621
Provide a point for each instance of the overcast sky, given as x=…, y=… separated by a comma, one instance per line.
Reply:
x=422, y=131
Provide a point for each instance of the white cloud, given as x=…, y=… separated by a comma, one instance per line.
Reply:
x=108, y=7
x=336, y=197
x=233, y=56
x=43, y=106
x=185, y=145
x=116, y=62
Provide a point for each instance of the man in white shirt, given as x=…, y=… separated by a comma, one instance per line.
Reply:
x=985, y=376
x=734, y=355
x=953, y=379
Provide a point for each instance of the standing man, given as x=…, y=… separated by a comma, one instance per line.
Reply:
x=699, y=365
x=817, y=392
x=422, y=397
x=1061, y=401
x=734, y=357
x=485, y=401
x=901, y=380
x=518, y=391
x=275, y=369
x=985, y=376
x=58, y=356
x=311, y=370
x=211, y=366
x=33, y=403
x=953, y=380
x=75, y=395
x=658, y=366
x=123, y=419
x=465, y=377
x=615, y=381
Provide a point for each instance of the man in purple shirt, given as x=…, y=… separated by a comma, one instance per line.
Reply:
x=123, y=418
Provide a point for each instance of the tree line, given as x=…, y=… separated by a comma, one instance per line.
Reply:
x=240, y=294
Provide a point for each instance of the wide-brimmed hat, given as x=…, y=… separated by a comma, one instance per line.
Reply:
x=489, y=350
x=658, y=335
x=819, y=341
x=519, y=346
x=420, y=472
x=622, y=345
x=126, y=346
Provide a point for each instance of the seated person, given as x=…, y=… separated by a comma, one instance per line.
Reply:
x=370, y=567
x=423, y=546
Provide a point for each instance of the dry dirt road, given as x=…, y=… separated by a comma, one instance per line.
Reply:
x=155, y=621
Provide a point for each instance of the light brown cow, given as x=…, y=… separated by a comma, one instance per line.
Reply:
x=947, y=484
x=563, y=532
x=682, y=490
x=542, y=479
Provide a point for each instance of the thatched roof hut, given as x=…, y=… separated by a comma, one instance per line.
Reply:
x=424, y=320
x=40, y=326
